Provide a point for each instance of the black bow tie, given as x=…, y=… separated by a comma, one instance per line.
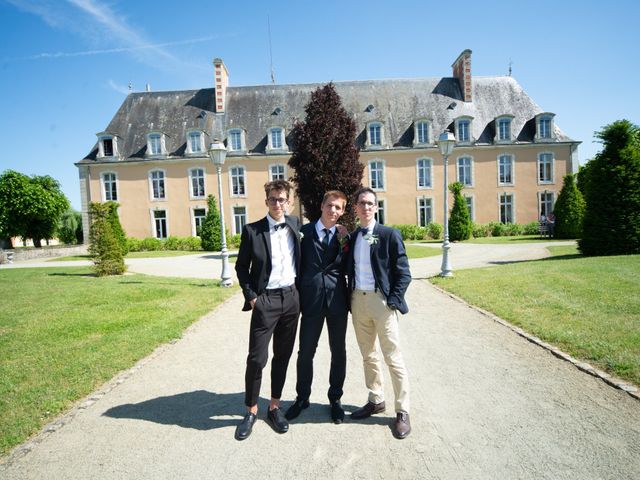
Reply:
x=279, y=225
x=364, y=231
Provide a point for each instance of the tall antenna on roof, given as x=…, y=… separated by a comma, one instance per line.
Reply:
x=510, y=63
x=273, y=75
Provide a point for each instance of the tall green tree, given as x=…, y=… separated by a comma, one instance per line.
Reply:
x=30, y=207
x=118, y=231
x=104, y=246
x=612, y=193
x=210, y=234
x=325, y=154
x=569, y=210
x=460, y=227
x=68, y=227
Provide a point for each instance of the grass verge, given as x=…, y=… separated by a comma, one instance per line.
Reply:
x=64, y=332
x=416, y=251
x=587, y=306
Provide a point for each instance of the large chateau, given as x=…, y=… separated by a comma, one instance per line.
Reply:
x=152, y=157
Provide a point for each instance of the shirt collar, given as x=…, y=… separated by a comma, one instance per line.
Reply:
x=272, y=222
x=371, y=226
x=320, y=227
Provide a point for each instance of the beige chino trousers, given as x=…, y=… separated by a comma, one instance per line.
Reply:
x=373, y=319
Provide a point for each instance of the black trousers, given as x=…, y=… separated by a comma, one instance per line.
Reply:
x=275, y=314
x=310, y=330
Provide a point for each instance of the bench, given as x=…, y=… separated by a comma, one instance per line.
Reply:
x=543, y=229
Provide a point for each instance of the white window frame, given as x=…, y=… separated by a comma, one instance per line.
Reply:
x=200, y=149
x=512, y=164
x=379, y=126
x=419, y=208
x=164, y=185
x=461, y=120
x=230, y=140
x=283, y=147
x=151, y=136
x=101, y=148
x=422, y=125
x=103, y=186
x=383, y=174
x=154, y=229
x=500, y=135
x=191, y=179
x=235, y=216
x=428, y=166
x=244, y=181
x=471, y=173
x=381, y=211
x=471, y=206
x=539, y=163
x=513, y=206
x=278, y=165
x=194, y=223
x=540, y=202
x=546, y=133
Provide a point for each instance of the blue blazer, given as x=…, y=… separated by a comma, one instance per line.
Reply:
x=253, y=265
x=389, y=263
x=322, y=275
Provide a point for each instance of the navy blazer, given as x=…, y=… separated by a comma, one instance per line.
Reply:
x=253, y=265
x=389, y=263
x=322, y=278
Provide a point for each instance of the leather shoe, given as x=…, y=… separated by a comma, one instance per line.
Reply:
x=244, y=429
x=368, y=410
x=296, y=408
x=402, y=427
x=337, y=412
x=277, y=421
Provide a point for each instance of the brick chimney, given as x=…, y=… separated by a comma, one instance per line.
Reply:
x=462, y=71
x=221, y=78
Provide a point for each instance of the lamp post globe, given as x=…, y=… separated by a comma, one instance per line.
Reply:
x=446, y=144
x=218, y=153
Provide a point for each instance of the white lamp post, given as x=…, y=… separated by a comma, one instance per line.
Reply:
x=218, y=154
x=446, y=142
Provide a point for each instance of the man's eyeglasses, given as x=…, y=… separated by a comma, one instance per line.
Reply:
x=363, y=204
x=274, y=200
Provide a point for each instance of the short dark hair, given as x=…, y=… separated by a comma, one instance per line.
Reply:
x=337, y=194
x=364, y=190
x=277, y=185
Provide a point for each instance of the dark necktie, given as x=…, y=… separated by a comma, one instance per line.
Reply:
x=325, y=240
x=364, y=230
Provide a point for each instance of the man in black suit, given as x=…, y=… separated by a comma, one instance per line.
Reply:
x=266, y=267
x=379, y=277
x=323, y=295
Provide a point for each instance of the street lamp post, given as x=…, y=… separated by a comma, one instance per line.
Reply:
x=218, y=154
x=446, y=142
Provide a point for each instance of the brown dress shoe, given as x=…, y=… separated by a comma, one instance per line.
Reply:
x=368, y=410
x=402, y=426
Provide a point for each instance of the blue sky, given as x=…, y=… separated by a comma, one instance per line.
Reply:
x=66, y=65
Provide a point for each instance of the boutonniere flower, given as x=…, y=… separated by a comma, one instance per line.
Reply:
x=372, y=239
x=300, y=235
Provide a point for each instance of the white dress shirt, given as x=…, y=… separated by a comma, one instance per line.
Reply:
x=320, y=230
x=283, y=268
x=364, y=273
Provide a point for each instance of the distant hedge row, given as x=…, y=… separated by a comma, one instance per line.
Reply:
x=187, y=244
x=435, y=231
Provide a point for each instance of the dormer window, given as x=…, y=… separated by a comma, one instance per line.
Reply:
x=375, y=135
x=195, y=142
x=422, y=134
x=107, y=145
x=156, y=144
x=276, y=140
x=236, y=140
x=463, y=130
x=544, y=127
x=503, y=129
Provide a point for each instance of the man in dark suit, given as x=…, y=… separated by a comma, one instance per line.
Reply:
x=323, y=295
x=266, y=267
x=379, y=277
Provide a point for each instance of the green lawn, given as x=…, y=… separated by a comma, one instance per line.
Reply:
x=416, y=251
x=64, y=332
x=587, y=306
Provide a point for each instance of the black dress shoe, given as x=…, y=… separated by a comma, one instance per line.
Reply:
x=368, y=410
x=296, y=408
x=337, y=412
x=244, y=429
x=277, y=421
x=401, y=427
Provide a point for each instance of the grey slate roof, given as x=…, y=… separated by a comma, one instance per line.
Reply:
x=397, y=103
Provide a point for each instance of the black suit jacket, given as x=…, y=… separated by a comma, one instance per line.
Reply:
x=322, y=275
x=389, y=263
x=253, y=265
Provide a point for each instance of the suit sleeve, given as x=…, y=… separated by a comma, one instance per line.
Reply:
x=401, y=273
x=243, y=264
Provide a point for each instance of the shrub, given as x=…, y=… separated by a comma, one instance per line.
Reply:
x=210, y=234
x=513, y=229
x=190, y=244
x=104, y=245
x=114, y=220
x=233, y=241
x=134, y=244
x=171, y=243
x=434, y=230
x=480, y=231
x=151, y=244
x=569, y=210
x=67, y=227
x=531, y=228
x=497, y=229
x=460, y=221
